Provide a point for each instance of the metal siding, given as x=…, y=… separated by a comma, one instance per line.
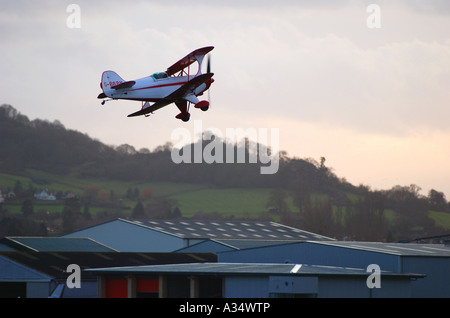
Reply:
x=356, y=287
x=436, y=284
x=89, y=289
x=315, y=254
x=246, y=287
x=342, y=287
x=38, y=289
x=293, y=285
x=127, y=237
x=206, y=247
x=393, y=288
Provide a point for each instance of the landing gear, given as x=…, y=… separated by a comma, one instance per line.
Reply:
x=203, y=105
x=106, y=100
x=184, y=116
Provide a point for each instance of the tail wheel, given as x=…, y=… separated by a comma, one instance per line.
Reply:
x=186, y=117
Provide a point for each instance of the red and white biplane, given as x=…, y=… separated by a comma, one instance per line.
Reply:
x=175, y=85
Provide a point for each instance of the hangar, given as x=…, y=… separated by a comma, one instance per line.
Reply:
x=254, y=280
x=171, y=235
x=232, y=260
x=432, y=260
x=35, y=274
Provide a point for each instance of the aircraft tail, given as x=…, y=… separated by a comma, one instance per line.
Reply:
x=110, y=79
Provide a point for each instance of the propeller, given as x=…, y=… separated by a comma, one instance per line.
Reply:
x=208, y=66
x=208, y=70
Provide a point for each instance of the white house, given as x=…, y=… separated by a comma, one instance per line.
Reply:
x=44, y=195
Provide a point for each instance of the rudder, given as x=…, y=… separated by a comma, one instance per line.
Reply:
x=110, y=79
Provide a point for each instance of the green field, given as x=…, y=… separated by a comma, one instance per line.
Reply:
x=227, y=202
x=441, y=218
x=190, y=198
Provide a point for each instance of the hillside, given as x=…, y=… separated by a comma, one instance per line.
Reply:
x=110, y=182
x=45, y=146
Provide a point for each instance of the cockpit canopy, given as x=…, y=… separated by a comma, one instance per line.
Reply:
x=159, y=75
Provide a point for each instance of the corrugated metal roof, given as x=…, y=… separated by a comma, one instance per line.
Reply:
x=232, y=244
x=241, y=269
x=55, y=244
x=402, y=249
x=55, y=264
x=230, y=230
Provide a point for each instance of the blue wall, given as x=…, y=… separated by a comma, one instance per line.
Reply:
x=437, y=282
x=246, y=287
x=437, y=269
x=313, y=254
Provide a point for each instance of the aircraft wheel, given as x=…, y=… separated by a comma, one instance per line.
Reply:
x=205, y=108
x=186, y=118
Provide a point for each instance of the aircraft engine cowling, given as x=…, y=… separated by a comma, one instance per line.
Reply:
x=208, y=83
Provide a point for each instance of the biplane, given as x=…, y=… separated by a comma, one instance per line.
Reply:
x=175, y=85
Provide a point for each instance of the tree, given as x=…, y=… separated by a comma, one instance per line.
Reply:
x=70, y=214
x=160, y=208
x=318, y=217
x=138, y=210
x=147, y=193
x=18, y=189
x=176, y=213
x=126, y=149
x=437, y=200
x=27, y=208
x=86, y=213
x=17, y=226
x=365, y=220
x=90, y=193
x=277, y=201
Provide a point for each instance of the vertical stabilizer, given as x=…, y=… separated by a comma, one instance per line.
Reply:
x=110, y=79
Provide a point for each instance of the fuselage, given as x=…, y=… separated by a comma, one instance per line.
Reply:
x=150, y=88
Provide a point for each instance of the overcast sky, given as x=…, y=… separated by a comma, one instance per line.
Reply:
x=375, y=102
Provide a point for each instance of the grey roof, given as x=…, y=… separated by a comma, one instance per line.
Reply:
x=401, y=249
x=230, y=230
x=232, y=244
x=54, y=264
x=55, y=244
x=241, y=269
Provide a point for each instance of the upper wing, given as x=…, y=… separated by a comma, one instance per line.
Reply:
x=188, y=60
x=182, y=92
